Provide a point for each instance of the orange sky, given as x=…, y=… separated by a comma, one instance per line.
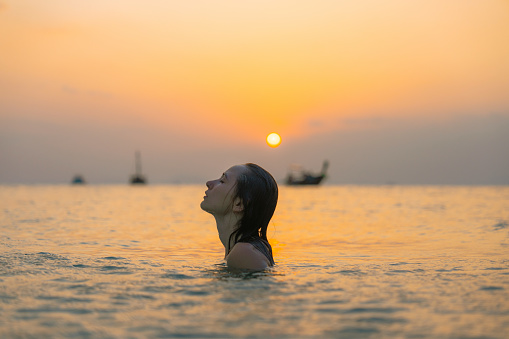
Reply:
x=217, y=70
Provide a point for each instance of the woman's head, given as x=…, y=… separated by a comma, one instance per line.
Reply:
x=250, y=192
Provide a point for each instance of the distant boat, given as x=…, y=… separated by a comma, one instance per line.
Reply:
x=307, y=178
x=78, y=180
x=138, y=178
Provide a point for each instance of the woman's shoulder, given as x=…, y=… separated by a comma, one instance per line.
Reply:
x=245, y=256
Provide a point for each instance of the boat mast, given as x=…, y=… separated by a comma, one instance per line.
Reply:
x=137, y=157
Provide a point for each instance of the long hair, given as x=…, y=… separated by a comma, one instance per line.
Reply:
x=258, y=192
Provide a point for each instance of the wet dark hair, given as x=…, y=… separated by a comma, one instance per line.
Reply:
x=259, y=192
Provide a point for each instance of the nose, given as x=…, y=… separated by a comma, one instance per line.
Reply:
x=210, y=184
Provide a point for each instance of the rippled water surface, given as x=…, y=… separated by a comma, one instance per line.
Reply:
x=352, y=262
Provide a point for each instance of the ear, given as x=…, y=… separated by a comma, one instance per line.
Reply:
x=238, y=205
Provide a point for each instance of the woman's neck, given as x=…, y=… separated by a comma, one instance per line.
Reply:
x=226, y=225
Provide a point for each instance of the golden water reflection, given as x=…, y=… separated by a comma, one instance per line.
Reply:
x=352, y=261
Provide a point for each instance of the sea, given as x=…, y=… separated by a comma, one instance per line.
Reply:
x=120, y=261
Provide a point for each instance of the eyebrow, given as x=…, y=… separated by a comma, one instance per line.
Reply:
x=225, y=176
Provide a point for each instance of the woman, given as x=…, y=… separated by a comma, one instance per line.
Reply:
x=243, y=201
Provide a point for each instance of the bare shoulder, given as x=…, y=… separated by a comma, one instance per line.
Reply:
x=245, y=256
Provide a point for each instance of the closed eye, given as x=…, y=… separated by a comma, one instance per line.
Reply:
x=223, y=178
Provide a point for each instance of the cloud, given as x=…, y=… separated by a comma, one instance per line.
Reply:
x=313, y=123
x=91, y=93
x=364, y=121
x=466, y=149
x=69, y=90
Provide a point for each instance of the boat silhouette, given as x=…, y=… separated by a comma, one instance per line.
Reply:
x=137, y=178
x=300, y=177
x=78, y=180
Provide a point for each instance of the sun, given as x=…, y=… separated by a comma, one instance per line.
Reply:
x=273, y=140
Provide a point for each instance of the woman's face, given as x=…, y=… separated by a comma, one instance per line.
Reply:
x=218, y=197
